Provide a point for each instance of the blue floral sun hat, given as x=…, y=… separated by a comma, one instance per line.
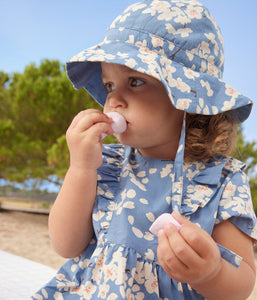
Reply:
x=175, y=41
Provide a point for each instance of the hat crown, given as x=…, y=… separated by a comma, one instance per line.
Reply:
x=180, y=30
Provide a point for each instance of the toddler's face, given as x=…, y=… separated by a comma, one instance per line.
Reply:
x=154, y=125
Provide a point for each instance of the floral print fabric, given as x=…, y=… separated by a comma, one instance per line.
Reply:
x=121, y=261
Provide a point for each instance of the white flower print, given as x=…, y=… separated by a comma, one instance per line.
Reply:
x=239, y=205
x=57, y=296
x=203, y=51
x=180, y=85
x=157, y=7
x=141, y=174
x=184, y=32
x=168, y=69
x=113, y=25
x=123, y=55
x=124, y=17
x=141, y=44
x=151, y=282
x=203, y=65
x=99, y=215
x=190, y=55
x=211, y=37
x=149, y=254
x=150, y=217
x=166, y=171
x=180, y=287
x=131, y=219
x=194, y=12
x=103, y=290
x=144, y=201
x=131, y=39
x=139, y=274
x=131, y=193
x=183, y=103
x=206, y=84
x=225, y=215
x=109, y=194
x=118, y=207
x=45, y=294
x=201, y=108
x=83, y=264
x=112, y=296
x=215, y=110
x=200, y=194
x=101, y=57
x=190, y=173
x=190, y=74
x=37, y=297
x=152, y=170
x=157, y=41
x=228, y=105
x=229, y=191
x=213, y=70
x=180, y=16
x=137, y=183
x=231, y=92
x=138, y=233
x=145, y=180
x=168, y=199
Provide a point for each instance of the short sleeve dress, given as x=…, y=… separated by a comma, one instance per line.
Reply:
x=121, y=261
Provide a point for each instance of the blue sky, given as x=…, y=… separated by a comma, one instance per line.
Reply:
x=32, y=30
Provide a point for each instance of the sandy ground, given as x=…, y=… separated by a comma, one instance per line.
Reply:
x=26, y=235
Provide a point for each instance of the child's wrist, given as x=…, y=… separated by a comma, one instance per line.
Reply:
x=210, y=280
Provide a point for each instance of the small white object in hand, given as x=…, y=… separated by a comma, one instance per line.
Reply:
x=119, y=123
x=160, y=222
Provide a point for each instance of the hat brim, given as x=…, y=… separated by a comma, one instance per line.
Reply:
x=188, y=90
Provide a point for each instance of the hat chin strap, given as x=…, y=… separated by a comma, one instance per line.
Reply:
x=177, y=185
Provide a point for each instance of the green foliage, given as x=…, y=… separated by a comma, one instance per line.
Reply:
x=36, y=108
x=247, y=152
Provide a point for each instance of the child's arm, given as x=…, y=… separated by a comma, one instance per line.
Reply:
x=192, y=256
x=70, y=220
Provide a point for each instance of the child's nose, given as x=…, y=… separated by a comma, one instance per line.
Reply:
x=116, y=99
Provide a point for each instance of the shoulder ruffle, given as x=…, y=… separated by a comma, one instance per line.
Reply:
x=107, y=185
x=236, y=202
x=201, y=182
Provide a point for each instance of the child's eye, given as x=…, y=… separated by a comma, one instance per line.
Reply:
x=136, y=82
x=109, y=87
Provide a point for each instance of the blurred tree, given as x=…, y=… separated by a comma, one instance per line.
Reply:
x=36, y=109
x=247, y=152
x=6, y=123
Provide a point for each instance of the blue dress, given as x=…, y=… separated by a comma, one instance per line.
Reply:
x=121, y=260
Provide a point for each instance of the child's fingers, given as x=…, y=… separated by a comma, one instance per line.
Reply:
x=168, y=260
x=183, y=251
x=85, y=119
x=198, y=239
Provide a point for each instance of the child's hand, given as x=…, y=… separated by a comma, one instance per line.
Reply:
x=189, y=255
x=84, y=138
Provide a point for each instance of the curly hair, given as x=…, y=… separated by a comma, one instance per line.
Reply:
x=209, y=136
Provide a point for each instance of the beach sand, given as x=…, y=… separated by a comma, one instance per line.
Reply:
x=26, y=235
